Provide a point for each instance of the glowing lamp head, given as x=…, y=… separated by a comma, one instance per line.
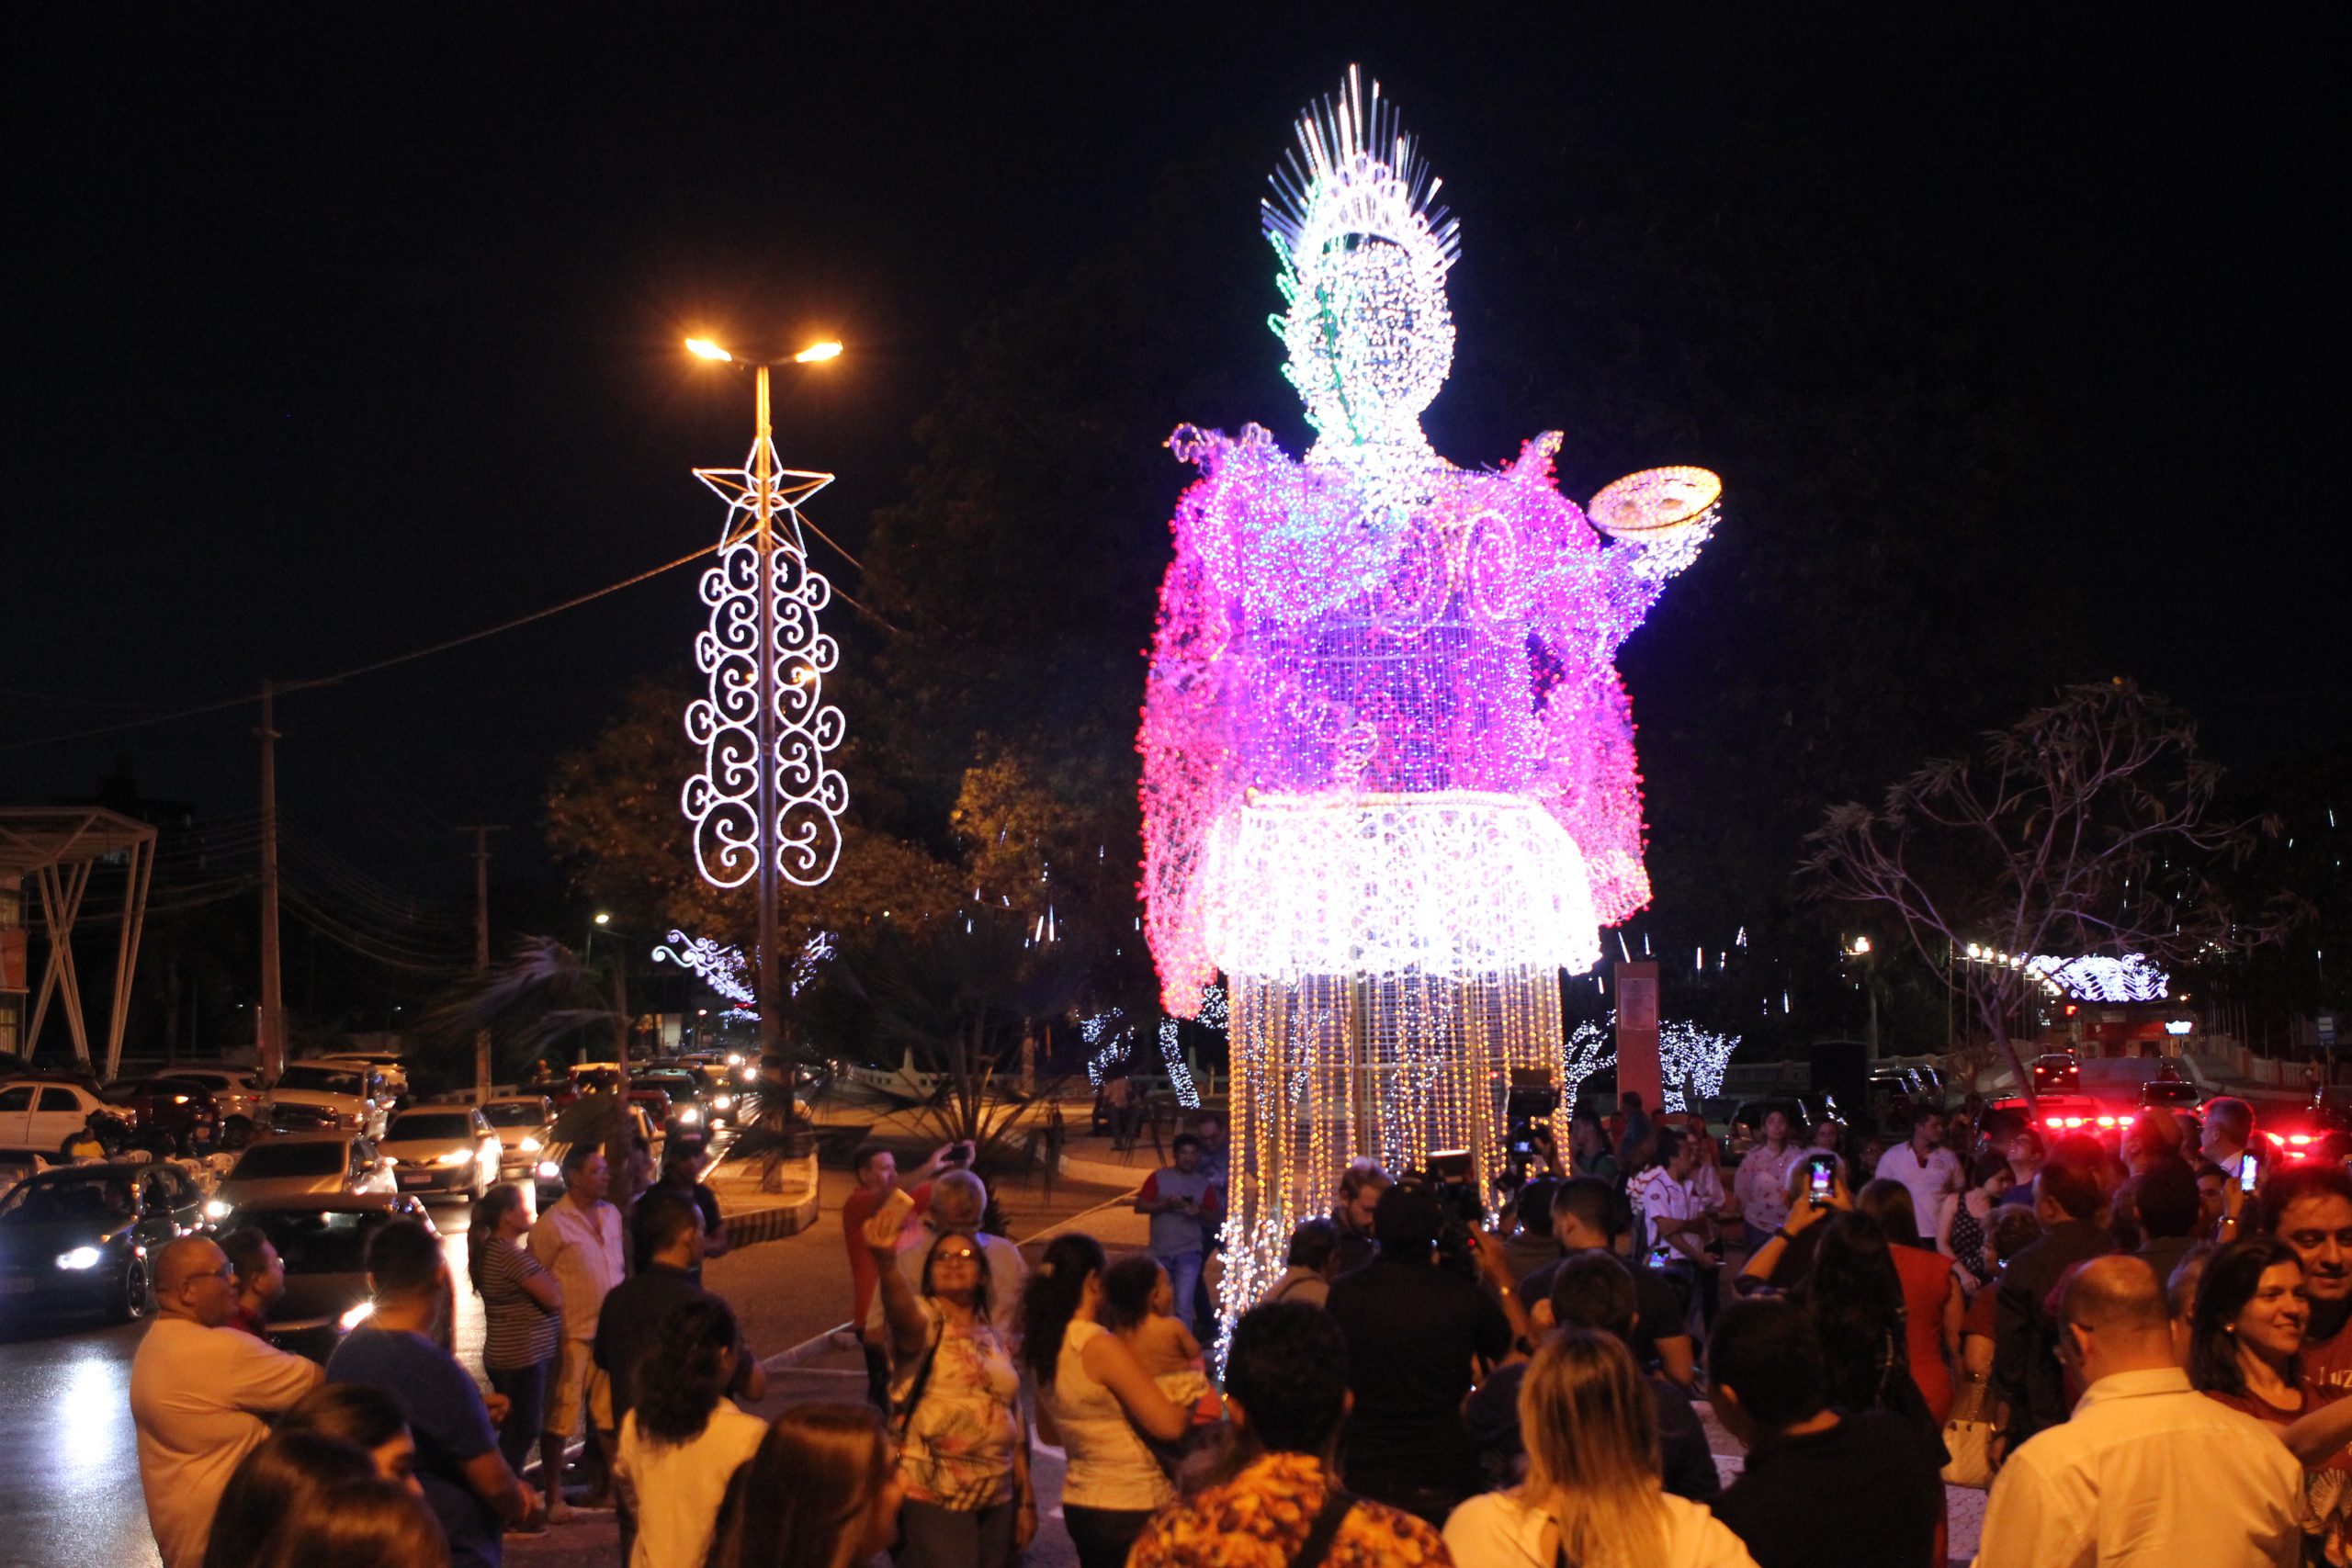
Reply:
x=817, y=352
x=703, y=348
x=604, y=920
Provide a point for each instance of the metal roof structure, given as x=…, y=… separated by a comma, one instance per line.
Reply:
x=60, y=847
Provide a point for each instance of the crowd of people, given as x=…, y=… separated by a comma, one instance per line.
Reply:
x=2141, y=1349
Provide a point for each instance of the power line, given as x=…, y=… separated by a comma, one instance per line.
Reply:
x=197, y=710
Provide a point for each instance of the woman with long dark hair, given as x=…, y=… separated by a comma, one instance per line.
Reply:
x=2245, y=1347
x=1964, y=1219
x=1855, y=1298
x=521, y=1318
x=1932, y=1303
x=822, y=1491
x=1095, y=1398
x=955, y=1397
x=280, y=1477
x=683, y=1437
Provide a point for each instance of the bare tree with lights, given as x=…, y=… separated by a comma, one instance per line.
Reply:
x=2085, y=829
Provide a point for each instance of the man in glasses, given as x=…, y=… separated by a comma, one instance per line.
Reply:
x=199, y=1394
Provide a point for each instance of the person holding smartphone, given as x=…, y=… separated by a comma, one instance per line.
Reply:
x=1817, y=1189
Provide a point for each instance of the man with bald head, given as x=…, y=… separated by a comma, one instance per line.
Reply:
x=201, y=1394
x=2146, y=1471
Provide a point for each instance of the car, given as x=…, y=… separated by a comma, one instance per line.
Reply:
x=2169, y=1094
x=524, y=1124
x=238, y=1094
x=386, y=1064
x=179, y=1112
x=323, y=1242
x=691, y=1107
x=547, y=1176
x=302, y=1164
x=2056, y=1072
x=356, y=1095
x=38, y=1115
x=441, y=1148
x=83, y=1239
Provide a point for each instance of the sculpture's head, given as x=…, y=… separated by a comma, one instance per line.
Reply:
x=1365, y=258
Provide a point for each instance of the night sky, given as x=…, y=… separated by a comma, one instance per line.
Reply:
x=333, y=336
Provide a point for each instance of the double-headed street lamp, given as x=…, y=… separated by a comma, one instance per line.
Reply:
x=768, y=802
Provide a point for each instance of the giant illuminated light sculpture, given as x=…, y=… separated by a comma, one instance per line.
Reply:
x=1388, y=786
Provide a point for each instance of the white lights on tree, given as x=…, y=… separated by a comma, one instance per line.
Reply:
x=1691, y=1060
x=776, y=629
x=1592, y=1048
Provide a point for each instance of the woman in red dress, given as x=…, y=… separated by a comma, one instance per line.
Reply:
x=1933, y=1304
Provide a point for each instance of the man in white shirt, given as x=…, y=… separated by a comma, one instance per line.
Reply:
x=199, y=1394
x=1925, y=1166
x=1672, y=1220
x=2147, y=1473
x=578, y=1239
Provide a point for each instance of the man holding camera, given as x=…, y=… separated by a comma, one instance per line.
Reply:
x=1185, y=1203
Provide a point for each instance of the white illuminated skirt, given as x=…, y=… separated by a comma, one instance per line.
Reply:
x=1454, y=882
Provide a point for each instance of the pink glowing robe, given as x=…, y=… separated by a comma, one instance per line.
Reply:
x=1316, y=643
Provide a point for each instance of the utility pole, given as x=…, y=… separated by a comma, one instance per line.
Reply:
x=269, y=1023
x=482, y=949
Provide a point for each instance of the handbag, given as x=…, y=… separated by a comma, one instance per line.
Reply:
x=1968, y=1438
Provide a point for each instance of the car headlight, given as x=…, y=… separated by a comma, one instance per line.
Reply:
x=356, y=1316
x=690, y=1115
x=214, y=1209
x=723, y=1102
x=80, y=1257
x=529, y=1146
x=550, y=1171
x=455, y=1156
x=734, y=1058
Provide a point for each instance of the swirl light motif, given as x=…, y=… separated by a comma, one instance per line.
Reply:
x=1389, y=787
x=722, y=801
x=721, y=968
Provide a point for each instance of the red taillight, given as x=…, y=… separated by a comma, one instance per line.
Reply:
x=2300, y=1138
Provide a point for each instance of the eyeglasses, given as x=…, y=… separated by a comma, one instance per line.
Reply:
x=961, y=1255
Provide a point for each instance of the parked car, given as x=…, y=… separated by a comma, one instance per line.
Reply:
x=179, y=1112
x=291, y=1116
x=38, y=1115
x=524, y=1124
x=302, y=1165
x=324, y=1243
x=441, y=1148
x=238, y=1094
x=387, y=1065
x=83, y=1239
x=356, y=1094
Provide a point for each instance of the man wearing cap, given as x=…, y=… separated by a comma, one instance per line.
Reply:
x=1414, y=1331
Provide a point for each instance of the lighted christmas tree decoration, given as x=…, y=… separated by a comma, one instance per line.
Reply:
x=1389, y=789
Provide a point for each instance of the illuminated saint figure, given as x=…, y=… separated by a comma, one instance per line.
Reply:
x=1389, y=787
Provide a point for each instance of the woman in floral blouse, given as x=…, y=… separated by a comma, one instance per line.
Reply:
x=954, y=1395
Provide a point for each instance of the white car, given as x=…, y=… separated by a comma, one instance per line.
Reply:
x=525, y=1124
x=236, y=1093
x=300, y=1165
x=36, y=1115
x=441, y=1148
x=387, y=1067
x=356, y=1095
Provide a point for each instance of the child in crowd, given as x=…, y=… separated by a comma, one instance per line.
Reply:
x=1140, y=1306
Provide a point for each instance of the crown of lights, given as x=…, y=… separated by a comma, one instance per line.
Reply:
x=1364, y=256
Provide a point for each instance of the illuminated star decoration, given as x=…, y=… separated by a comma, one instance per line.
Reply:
x=722, y=801
x=1389, y=786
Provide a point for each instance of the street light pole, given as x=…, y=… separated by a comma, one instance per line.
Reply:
x=763, y=488
x=769, y=762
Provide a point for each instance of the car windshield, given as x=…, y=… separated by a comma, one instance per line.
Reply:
x=289, y=1159
x=322, y=1080
x=315, y=1243
x=517, y=1115
x=96, y=1200
x=432, y=1124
